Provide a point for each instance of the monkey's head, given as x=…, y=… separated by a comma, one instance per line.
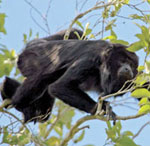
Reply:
x=119, y=65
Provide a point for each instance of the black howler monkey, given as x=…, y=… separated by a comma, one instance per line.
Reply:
x=66, y=69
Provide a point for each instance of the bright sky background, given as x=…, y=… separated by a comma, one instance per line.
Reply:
x=61, y=13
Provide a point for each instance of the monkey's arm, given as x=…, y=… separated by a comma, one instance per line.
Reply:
x=67, y=87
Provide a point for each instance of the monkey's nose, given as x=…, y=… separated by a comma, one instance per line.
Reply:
x=126, y=71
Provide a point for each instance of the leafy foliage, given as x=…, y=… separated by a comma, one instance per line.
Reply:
x=117, y=138
x=7, y=61
x=2, y=22
x=53, y=132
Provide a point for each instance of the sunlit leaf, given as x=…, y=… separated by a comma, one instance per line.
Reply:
x=92, y=36
x=79, y=24
x=42, y=129
x=110, y=24
x=111, y=37
x=80, y=138
x=67, y=118
x=120, y=42
x=136, y=46
x=113, y=34
x=147, y=67
x=144, y=101
x=53, y=141
x=59, y=129
x=138, y=93
x=13, y=53
x=142, y=79
x=125, y=141
x=140, y=68
x=128, y=133
x=25, y=38
x=88, y=31
x=77, y=34
x=144, y=109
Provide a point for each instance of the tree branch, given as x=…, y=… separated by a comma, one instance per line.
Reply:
x=96, y=7
x=74, y=128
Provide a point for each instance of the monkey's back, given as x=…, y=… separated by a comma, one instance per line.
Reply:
x=48, y=56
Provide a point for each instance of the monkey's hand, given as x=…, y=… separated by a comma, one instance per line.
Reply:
x=106, y=109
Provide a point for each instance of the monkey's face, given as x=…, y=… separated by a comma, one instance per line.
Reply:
x=118, y=67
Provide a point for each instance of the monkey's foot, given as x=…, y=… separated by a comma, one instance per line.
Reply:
x=109, y=113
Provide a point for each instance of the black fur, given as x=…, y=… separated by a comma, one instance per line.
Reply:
x=66, y=69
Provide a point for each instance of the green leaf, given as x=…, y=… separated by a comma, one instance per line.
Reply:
x=23, y=137
x=24, y=38
x=144, y=101
x=148, y=1
x=142, y=79
x=140, y=68
x=30, y=33
x=147, y=67
x=59, y=129
x=53, y=141
x=111, y=37
x=37, y=35
x=92, y=36
x=136, y=46
x=80, y=137
x=118, y=127
x=140, y=36
x=111, y=132
x=135, y=16
x=79, y=24
x=13, y=53
x=67, y=118
x=5, y=135
x=128, y=133
x=42, y=129
x=88, y=31
x=144, y=109
x=2, y=22
x=125, y=141
x=110, y=24
x=77, y=34
x=145, y=32
x=113, y=34
x=87, y=26
x=109, y=125
x=139, y=93
x=120, y=42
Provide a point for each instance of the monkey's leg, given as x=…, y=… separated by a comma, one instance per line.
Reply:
x=38, y=110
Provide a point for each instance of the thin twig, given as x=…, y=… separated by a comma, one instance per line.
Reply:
x=140, y=130
x=41, y=15
x=96, y=7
